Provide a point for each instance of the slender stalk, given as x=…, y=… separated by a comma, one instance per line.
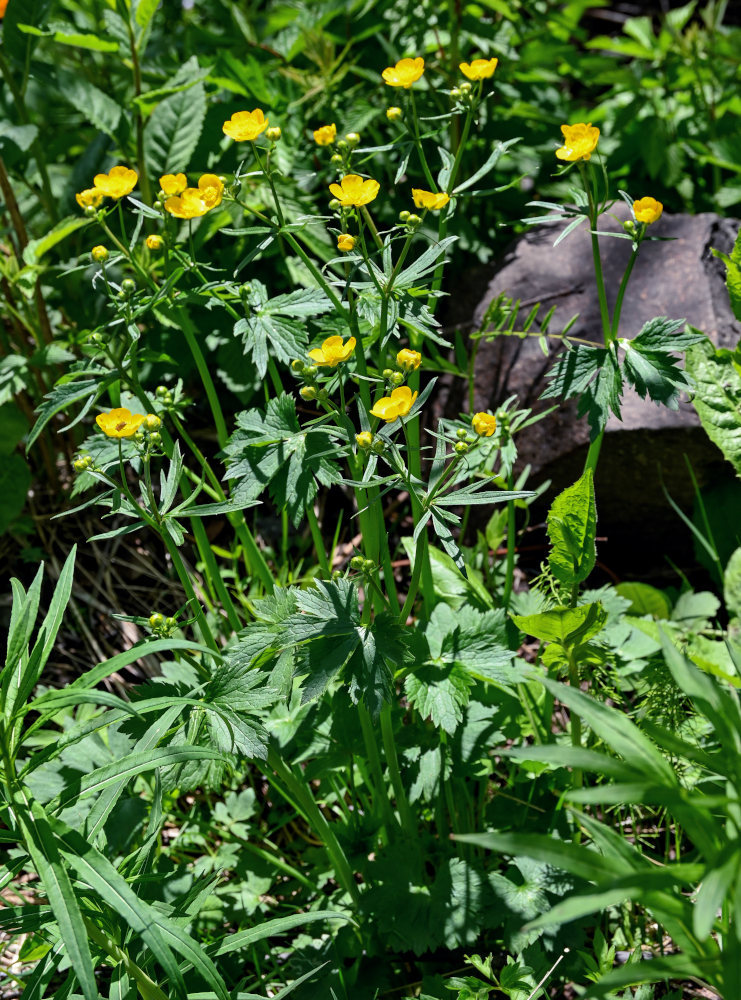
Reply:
x=316, y=537
x=304, y=800
x=621, y=294
x=392, y=762
x=148, y=989
x=381, y=798
x=418, y=143
x=511, y=539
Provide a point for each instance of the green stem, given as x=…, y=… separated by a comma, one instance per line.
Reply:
x=148, y=989
x=420, y=556
x=511, y=538
x=373, y=757
x=392, y=762
x=316, y=536
x=418, y=144
x=316, y=819
x=621, y=294
x=593, y=453
x=203, y=370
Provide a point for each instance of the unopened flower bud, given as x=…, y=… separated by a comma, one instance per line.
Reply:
x=352, y=139
x=357, y=562
x=128, y=286
x=464, y=88
x=394, y=114
x=368, y=565
x=460, y=448
x=99, y=254
x=455, y=93
x=156, y=620
x=396, y=378
x=461, y=433
x=274, y=134
x=245, y=289
x=155, y=439
x=82, y=463
x=334, y=204
x=170, y=623
x=154, y=242
x=158, y=205
x=336, y=160
x=364, y=439
x=90, y=211
x=310, y=371
x=298, y=366
x=307, y=392
x=152, y=422
x=404, y=216
x=413, y=220
x=322, y=395
x=342, y=145
x=388, y=372
x=378, y=445
x=161, y=391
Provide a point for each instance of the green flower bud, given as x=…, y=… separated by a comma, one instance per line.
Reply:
x=336, y=160
x=455, y=93
x=357, y=562
x=378, y=445
x=155, y=439
x=170, y=623
x=394, y=114
x=152, y=422
x=128, y=285
x=158, y=205
x=461, y=433
x=404, y=216
x=413, y=220
x=368, y=565
x=307, y=392
x=460, y=448
x=396, y=378
x=298, y=366
x=334, y=205
x=352, y=139
x=342, y=145
x=90, y=211
x=156, y=620
x=464, y=88
x=273, y=134
x=161, y=391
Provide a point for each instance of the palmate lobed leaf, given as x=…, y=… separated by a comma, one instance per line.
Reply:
x=272, y=451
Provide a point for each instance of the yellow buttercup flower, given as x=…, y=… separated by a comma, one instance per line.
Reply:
x=345, y=242
x=408, y=360
x=479, y=69
x=430, y=199
x=245, y=126
x=579, y=141
x=484, y=424
x=647, y=210
x=325, y=135
x=120, y=422
x=353, y=191
x=332, y=352
x=194, y=202
x=398, y=404
x=173, y=184
x=364, y=439
x=119, y=181
x=90, y=196
x=154, y=242
x=404, y=73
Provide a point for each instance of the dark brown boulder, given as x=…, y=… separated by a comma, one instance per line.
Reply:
x=680, y=279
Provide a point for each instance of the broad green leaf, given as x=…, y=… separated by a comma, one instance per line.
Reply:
x=733, y=275
x=717, y=398
x=88, y=101
x=440, y=693
x=272, y=450
x=22, y=621
x=594, y=375
x=144, y=11
x=649, y=365
x=16, y=43
x=716, y=889
x=173, y=131
x=571, y=525
x=79, y=39
x=15, y=481
x=64, y=394
x=566, y=626
x=732, y=585
x=276, y=327
x=645, y=600
x=36, y=249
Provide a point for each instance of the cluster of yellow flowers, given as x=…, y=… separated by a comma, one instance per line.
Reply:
x=118, y=182
x=408, y=71
x=187, y=202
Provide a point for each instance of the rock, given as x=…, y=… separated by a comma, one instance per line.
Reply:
x=680, y=279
